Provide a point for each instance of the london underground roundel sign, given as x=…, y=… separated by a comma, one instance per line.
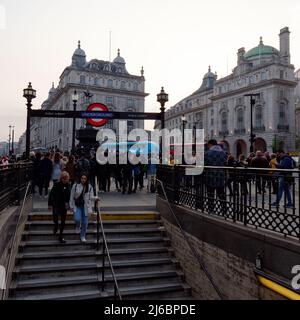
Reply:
x=97, y=107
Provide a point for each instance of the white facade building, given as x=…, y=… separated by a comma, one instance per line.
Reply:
x=222, y=110
x=108, y=82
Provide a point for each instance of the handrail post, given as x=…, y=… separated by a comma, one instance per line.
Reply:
x=103, y=264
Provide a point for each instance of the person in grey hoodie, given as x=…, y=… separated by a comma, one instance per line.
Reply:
x=215, y=178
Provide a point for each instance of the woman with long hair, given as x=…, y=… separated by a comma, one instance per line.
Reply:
x=82, y=196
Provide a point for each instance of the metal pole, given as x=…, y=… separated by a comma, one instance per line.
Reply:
x=251, y=124
x=183, y=127
x=74, y=128
x=9, y=136
x=13, y=138
x=162, y=115
x=29, y=105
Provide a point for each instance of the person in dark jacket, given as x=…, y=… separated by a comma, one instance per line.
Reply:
x=285, y=179
x=58, y=201
x=46, y=167
x=261, y=176
x=215, y=178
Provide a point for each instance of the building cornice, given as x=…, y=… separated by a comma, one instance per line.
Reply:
x=253, y=87
x=75, y=86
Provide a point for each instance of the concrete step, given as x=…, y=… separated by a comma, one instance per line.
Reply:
x=80, y=283
x=144, y=292
x=91, y=234
x=48, y=258
x=37, y=271
x=70, y=225
x=118, y=215
x=73, y=245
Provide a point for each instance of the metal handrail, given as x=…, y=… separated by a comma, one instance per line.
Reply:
x=195, y=253
x=105, y=252
x=15, y=233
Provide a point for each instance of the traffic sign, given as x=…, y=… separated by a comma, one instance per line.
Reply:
x=97, y=107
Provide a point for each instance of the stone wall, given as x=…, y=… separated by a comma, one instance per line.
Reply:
x=228, y=252
x=8, y=222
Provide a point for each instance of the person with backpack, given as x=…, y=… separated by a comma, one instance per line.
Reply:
x=58, y=202
x=81, y=204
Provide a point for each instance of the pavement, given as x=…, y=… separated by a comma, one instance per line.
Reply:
x=113, y=200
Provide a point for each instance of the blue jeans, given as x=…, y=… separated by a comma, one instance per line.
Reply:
x=80, y=217
x=284, y=187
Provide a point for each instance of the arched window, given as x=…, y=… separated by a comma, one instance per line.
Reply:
x=240, y=119
x=123, y=85
x=224, y=120
x=135, y=86
x=259, y=121
x=109, y=83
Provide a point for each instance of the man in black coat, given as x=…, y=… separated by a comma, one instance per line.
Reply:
x=58, y=201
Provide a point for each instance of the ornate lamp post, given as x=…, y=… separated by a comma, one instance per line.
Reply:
x=162, y=98
x=184, y=121
x=29, y=93
x=252, y=103
x=75, y=99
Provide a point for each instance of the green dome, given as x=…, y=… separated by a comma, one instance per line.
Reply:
x=261, y=50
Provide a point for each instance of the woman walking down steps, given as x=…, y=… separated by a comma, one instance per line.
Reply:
x=82, y=196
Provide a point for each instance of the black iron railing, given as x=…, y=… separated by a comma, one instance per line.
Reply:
x=105, y=254
x=240, y=195
x=13, y=181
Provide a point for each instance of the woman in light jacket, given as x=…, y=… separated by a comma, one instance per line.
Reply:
x=81, y=203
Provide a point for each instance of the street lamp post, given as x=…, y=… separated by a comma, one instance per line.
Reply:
x=162, y=98
x=252, y=103
x=12, y=141
x=9, y=139
x=183, y=120
x=75, y=99
x=29, y=93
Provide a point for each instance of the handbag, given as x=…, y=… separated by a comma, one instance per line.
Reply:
x=79, y=202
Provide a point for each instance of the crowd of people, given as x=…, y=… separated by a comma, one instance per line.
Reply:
x=73, y=179
x=266, y=163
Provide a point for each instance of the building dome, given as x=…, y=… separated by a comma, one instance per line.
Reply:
x=79, y=51
x=119, y=59
x=208, y=82
x=260, y=50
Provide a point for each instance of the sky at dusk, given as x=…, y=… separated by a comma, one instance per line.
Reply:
x=174, y=40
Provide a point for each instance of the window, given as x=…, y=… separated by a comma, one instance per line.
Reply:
x=123, y=85
x=282, y=108
x=96, y=81
x=259, y=117
x=109, y=101
x=129, y=102
x=110, y=83
x=224, y=121
x=281, y=74
x=199, y=120
x=240, y=119
x=82, y=79
x=135, y=86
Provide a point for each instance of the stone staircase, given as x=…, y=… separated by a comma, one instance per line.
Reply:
x=140, y=251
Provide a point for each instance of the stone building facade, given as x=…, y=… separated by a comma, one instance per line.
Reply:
x=106, y=82
x=221, y=108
